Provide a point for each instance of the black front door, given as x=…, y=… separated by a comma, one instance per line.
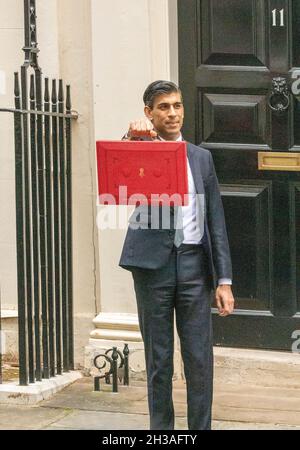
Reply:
x=238, y=73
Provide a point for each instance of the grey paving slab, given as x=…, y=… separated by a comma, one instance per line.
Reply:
x=78, y=407
x=129, y=400
x=87, y=420
x=98, y=420
x=256, y=416
x=30, y=418
x=81, y=396
x=226, y=425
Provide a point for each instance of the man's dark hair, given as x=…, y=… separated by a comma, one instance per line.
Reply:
x=158, y=88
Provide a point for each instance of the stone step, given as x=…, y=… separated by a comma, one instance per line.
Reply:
x=257, y=367
x=9, y=334
x=246, y=403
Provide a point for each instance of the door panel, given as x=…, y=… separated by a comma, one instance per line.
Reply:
x=295, y=33
x=233, y=33
x=295, y=124
x=295, y=243
x=237, y=60
x=250, y=243
x=235, y=118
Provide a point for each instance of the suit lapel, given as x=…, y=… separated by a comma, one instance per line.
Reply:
x=195, y=169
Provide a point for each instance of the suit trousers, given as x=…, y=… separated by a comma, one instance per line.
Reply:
x=181, y=286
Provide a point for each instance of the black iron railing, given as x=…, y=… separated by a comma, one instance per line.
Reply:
x=108, y=364
x=43, y=168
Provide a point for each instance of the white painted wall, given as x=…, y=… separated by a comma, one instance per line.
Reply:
x=109, y=51
x=131, y=48
x=11, y=42
x=47, y=37
x=12, y=57
x=64, y=40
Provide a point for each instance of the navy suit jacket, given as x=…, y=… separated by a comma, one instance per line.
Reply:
x=151, y=248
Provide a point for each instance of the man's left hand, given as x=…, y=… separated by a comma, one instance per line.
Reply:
x=225, y=300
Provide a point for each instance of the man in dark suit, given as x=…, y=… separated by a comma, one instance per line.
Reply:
x=175, y=270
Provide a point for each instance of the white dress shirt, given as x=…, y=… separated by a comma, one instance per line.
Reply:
x=191, y=228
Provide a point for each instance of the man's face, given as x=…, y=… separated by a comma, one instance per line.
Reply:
x=167, y=115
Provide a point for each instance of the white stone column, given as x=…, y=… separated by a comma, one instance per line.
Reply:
x=114, y=330
x=131, y=48
x=75, y=61
x=12, y=56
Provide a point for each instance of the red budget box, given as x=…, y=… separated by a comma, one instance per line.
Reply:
x=144, y=172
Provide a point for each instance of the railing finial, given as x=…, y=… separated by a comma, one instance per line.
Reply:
x=31, y=47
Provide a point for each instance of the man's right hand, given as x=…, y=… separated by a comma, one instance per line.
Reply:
x=141, y=129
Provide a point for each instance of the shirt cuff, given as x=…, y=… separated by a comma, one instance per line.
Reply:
x=225, y=281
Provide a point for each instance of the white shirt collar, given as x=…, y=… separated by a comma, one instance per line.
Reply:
x=179, y=139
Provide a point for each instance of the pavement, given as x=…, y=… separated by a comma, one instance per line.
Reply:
x=78, y=407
